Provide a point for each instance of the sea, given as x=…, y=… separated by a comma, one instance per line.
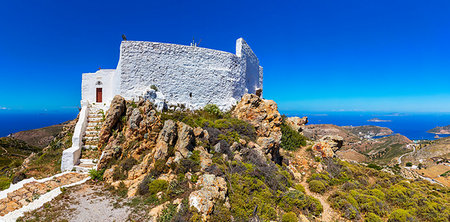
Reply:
x=11, y=122
x=412, y=125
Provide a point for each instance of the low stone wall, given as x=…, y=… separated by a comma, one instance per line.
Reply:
x=30, y=194
x=71, y=156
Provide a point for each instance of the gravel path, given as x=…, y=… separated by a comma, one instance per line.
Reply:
x=86, y=202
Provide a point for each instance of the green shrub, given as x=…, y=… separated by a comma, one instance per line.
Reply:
x=409, y=164
x=213, y=109
x=400, y=215
x=371, y=217
x=289, y=217
x=297, y=202
x=4, y=183
x=157, y=186
x=168, y=213
x=249, y=192
x=291, y=139
x=96, y=175
x=299, y=187
x=317, y=186
x=374, y=166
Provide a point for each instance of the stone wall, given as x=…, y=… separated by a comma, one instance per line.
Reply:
x=187, y=75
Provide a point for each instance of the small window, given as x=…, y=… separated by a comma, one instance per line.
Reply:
x=98, y=83
x=190, y=95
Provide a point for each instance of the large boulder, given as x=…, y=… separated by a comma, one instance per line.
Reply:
x=167, y=138
x=324, y=149
x=212, y=188
x=335, y=141
x=135, y=119
x=296, y=123
x=185, y=141
x=115, y=111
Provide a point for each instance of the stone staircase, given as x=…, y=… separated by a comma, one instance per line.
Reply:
x=89, y=152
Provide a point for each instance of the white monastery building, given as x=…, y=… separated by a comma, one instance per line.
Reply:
x=188, y=75
x=166, y=74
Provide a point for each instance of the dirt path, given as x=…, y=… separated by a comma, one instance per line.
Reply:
x=328, y=213
x=412, y=152
x=85, y=202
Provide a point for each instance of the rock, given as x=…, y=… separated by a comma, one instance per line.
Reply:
x=156, y=211
x=335, y=141
x=198, y=132
x=111, y=151
x=324, y=149
x=115, y=111
x=135, y=119
x=185, y=141
x=205, y=157
x=212, y=188
x=167, y=137
x=296, y=123
x=264, y=116
x=235, y=147
x=222, y=147
x=108, y=174
x=19, y=177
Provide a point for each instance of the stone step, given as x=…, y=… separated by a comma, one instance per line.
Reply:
x=90, y=147
x=92, y=132
x=94, y=124
x=92, y=128
x=87, y=139
x=95, y=119
x=84, y=169
x=91, y=135
x=91, y=143
x=88, y=161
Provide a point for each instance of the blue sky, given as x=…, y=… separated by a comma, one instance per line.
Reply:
x=324, y=55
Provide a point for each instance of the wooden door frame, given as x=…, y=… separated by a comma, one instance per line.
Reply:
x=99, y=99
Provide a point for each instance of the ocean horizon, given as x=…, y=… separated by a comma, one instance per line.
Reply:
x=411, y=125
x=12, y=122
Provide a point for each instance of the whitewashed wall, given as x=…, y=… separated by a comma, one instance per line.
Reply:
x=89, y=84
x=179, y=71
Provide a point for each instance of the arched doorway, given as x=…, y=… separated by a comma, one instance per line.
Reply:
x=98, y=92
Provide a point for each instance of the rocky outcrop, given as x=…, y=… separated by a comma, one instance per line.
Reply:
x=264, y=116
x=118, y=106
x=212, y=188
x=167, y=137
x=185, y=141
x=334, y=141
x=324, y=149
x=296, y=123
x=135, y=119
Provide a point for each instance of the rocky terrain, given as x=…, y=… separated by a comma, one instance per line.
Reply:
x=248, y=164
x=356, y=142
x=19, y=159
x=39, y=137
x=440, y=130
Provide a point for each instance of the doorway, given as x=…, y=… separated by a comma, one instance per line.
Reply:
x=99, y=95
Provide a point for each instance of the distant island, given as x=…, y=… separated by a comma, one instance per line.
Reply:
x=440, y=130
x=378, y=120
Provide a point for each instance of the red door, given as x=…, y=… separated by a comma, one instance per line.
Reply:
x=99, y=95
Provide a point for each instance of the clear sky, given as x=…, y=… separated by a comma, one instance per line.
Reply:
x=323, y=55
